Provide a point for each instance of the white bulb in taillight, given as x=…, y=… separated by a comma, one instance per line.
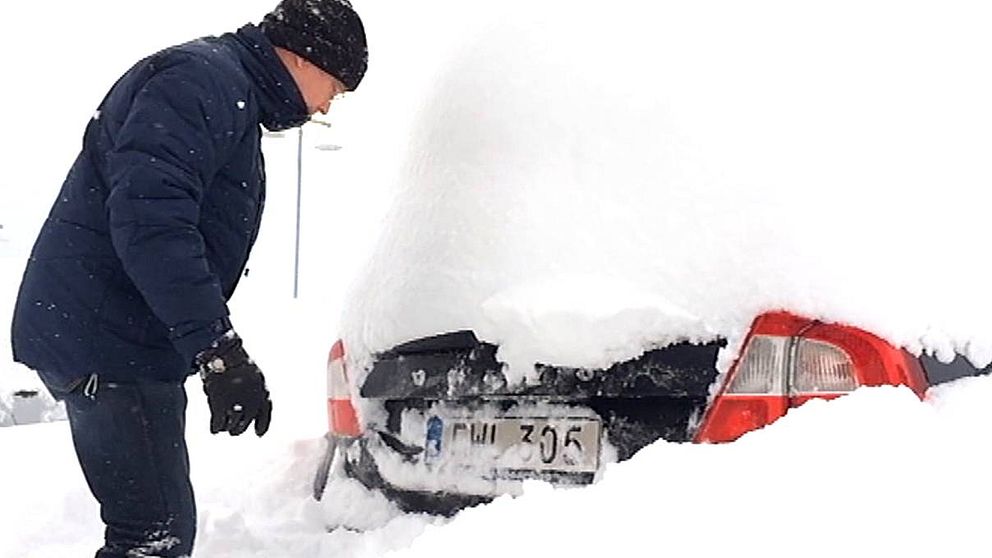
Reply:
x=822, y=368
x=761, y=370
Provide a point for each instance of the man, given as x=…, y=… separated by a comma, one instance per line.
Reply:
x=126, y=288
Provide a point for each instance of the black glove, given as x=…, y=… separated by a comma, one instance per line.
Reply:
x=235, y=387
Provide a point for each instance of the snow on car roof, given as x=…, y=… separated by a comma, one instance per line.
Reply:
x=576, y=194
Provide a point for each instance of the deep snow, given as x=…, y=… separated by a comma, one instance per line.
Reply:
x=830, y=159
x=721, y=158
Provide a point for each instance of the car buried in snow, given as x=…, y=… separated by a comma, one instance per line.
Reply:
x=557, y=198
x=452, y=433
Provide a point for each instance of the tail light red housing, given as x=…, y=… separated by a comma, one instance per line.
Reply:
x=341, y=416
x=787, y=360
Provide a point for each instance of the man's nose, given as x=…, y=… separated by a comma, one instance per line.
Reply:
x=324, y=107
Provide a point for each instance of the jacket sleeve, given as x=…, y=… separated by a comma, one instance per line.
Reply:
x=164, y=155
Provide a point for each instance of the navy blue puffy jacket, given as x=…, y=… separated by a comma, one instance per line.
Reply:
x=131, y=272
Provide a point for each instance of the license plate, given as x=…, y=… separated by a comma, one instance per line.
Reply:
x=564, y=444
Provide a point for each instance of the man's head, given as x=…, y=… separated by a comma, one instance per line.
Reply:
x=322, y=43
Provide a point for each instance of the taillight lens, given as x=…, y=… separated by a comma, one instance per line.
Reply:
x=761, y=369
x=341, y=416
x=821, y=368
x=754, y=394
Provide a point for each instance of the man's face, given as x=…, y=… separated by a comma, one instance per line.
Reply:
x=317, y=86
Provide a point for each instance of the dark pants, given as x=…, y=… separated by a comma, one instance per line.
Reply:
x=130, y=440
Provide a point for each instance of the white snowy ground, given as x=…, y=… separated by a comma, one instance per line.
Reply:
x=704, y=159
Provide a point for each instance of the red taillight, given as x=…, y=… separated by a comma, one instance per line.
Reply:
x=755, y=393
x=732, y=416
x=875, y=361
x=788, y=360
x=341, y=416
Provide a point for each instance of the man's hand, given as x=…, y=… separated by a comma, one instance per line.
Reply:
x=235, y=387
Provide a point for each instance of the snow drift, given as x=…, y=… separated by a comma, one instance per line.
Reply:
x=725, y=158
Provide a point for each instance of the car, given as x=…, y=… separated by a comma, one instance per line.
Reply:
x=29, y=405
x=450, y=432
x=615, y=223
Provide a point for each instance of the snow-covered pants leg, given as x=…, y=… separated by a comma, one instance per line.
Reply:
x=130, y=440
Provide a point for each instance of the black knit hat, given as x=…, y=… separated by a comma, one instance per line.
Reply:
x=328, y=33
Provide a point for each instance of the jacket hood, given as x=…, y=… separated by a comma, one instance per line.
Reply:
x=281, y=102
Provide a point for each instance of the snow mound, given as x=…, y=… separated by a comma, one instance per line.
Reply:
x=594, y=321
x=729, y=158
x=866, y=473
